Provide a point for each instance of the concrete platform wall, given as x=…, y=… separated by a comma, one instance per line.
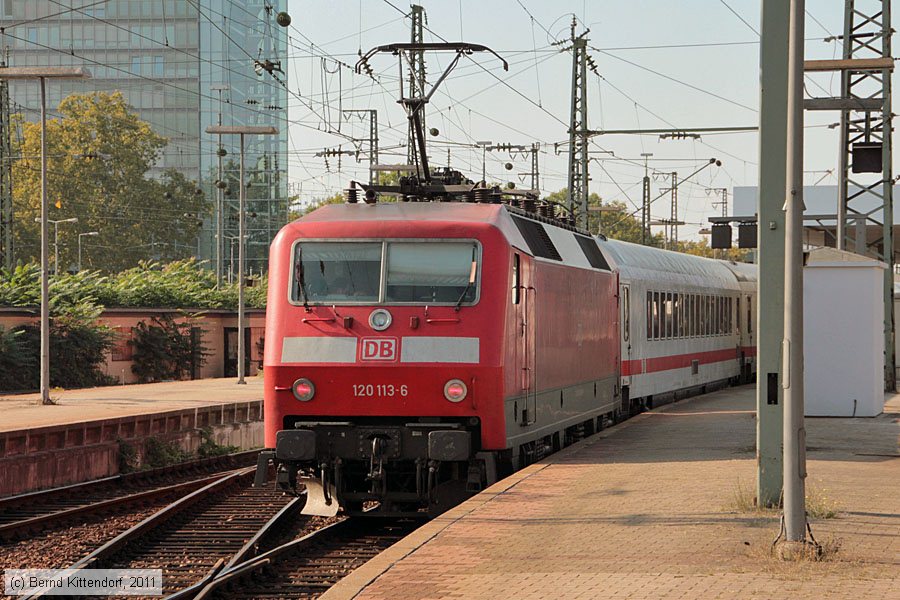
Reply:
x=59, y=455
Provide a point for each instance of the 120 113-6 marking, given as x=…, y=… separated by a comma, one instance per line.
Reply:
x=372, y=390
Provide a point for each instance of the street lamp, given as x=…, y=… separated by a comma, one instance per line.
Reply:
x=81, y=235
x=56, y=240
x=42, y=74
x=241, y=130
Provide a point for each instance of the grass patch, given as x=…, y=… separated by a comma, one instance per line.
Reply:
x=819, y=505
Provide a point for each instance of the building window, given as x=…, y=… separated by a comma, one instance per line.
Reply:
x=159, y=66
x=122, y=349
x=33, y=35
x=7, y=8
x=135, y=65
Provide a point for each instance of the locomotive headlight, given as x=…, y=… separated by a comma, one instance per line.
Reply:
x=303, y=389
x=455, y=390
x=380, y=319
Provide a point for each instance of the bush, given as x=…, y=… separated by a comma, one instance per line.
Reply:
x=179, y=284
x=167, y=349
x=78, y=349
x=16, y=360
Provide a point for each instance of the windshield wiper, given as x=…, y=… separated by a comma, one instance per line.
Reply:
x=469, y=285
x=301, y=281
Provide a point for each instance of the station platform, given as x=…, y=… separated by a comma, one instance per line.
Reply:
x=82, y=436
x=658, y=507
x=25, y=411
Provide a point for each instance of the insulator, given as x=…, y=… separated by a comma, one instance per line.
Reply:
x=482, y=195
x=544, y=210
x=283, y=19
x=529, y=204
x=221, y=151
x=351, y=193
x=434, y=132
x=508, y=166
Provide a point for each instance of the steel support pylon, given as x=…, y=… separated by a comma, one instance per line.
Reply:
x=416, y=75
x=578, y=131
x=6, y=203
x=866, y=199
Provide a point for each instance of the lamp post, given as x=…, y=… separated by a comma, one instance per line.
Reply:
x=42, y=74
x=81, y=235
x=56, y=241
x=241, y=130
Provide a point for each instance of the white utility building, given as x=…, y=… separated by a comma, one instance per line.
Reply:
x=843, y=335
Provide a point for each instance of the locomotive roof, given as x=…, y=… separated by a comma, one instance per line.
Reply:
x=647, y=263
x=409, y=211
x=564, y=246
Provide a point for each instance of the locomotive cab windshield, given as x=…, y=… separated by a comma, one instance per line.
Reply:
x=430, y=272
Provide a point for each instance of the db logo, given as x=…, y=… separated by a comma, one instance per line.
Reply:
x=379, y=349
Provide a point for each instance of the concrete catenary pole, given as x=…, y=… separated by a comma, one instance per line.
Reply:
x=769, y=307
x=792, y=345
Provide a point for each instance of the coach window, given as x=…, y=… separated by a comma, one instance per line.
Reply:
x=749, y=316
x=331, y=272
x=626, y=314
x=667, y=326
x=657, y=315
x=737, y=324
x=649, y=317
x=440, y=272
x=679, y=313
x=691, y=321
x=707, y=314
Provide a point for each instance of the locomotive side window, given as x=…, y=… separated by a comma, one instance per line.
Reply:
x=336, y=272
x=433, y=272
x=515, y=280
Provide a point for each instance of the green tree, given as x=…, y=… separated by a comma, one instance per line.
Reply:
x=616, y=224
x=702, y=248
x=99, y=156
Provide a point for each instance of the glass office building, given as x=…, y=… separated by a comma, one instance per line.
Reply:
x=182, y=65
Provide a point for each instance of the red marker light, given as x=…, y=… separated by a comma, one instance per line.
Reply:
x=304, y=390
x=455, y=390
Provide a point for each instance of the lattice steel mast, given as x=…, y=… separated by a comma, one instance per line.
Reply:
x=865, y=148
x=578, y=129
x=6, y=204
x=417, y=82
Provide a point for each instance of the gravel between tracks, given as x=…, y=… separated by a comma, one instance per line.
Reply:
x=61, y=547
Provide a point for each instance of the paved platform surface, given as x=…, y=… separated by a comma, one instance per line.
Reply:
x=24, y=411
x=651, y=509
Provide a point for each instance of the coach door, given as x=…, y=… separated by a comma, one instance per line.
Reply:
x=625, y=321
x=525, y=347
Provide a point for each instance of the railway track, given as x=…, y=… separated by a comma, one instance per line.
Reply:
x=26, y=514
x=218, y=525
x=309, y=566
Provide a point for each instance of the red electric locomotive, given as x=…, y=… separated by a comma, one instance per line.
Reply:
x=416, y=351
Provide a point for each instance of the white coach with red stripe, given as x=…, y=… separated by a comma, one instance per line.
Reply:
x=687, y=322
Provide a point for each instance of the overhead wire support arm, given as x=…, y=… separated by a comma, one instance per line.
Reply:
x=415, y=105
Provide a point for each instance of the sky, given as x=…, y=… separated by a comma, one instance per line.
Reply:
x=660, y=64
